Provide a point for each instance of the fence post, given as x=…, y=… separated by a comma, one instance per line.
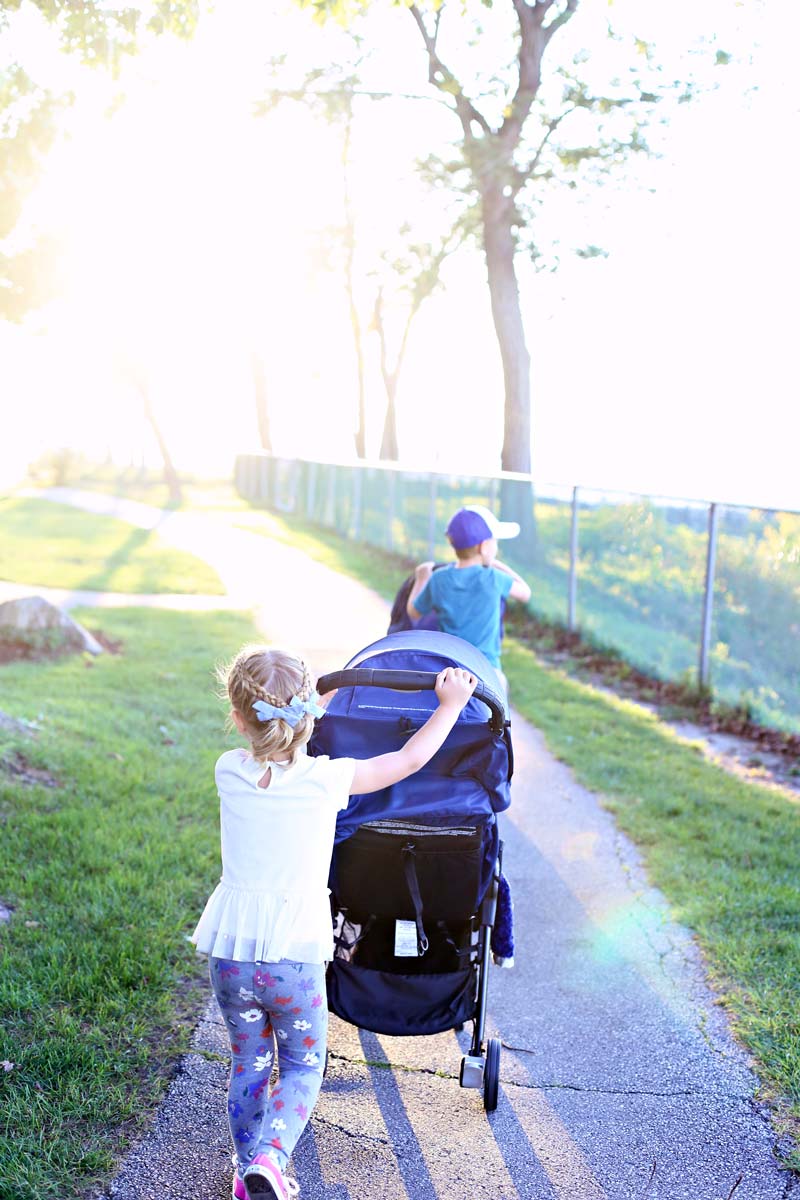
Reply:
x=432, y=518
x=311, y=482
x=294, y=480
x=329, y=518
x=263, y=470
x=572, y=593
x=390, y=512
x=356, y=516
x=708, y=595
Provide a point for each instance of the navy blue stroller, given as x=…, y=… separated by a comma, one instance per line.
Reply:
x=416, y=867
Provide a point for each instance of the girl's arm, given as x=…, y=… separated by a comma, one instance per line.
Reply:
x=454, y=686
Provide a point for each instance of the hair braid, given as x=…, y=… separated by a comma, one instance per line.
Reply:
x=259, y=673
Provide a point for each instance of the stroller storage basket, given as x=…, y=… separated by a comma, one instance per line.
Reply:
x=401, y=1005
x=383, y=858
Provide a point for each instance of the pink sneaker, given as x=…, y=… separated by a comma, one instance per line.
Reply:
x=239, y=1191
x=264, y=1180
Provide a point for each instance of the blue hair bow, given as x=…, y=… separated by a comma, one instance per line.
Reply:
x=293, y=712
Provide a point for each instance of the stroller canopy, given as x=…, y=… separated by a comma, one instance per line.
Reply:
x=424, y=646
x=467, y=780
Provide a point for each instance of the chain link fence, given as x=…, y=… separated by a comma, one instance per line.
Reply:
x=684, y=590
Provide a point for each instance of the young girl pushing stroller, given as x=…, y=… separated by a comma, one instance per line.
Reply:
x=267, y=926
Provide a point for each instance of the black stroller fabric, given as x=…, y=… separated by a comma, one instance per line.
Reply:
x=430, y=1003
x=399, y=620
x=380, y=860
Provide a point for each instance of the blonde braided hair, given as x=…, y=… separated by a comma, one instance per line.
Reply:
x=260, y=673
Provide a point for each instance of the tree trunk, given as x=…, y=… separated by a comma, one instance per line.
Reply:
x=350, y=255
x=361, y=431
x=170, y=474
x=262, y=407
x=389, y=449
x=499, y=248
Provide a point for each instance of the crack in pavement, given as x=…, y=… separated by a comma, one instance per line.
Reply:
x=358, y=1136
x=386, y=1065
x=622, y=847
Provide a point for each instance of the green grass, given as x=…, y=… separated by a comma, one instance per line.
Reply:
x=148, y=486
x=723, y=851
x=53, y=545
x=106, y=873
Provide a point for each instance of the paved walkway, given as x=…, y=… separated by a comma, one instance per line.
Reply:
x=620, y=1077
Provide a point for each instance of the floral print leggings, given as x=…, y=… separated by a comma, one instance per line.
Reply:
x=264, y=1004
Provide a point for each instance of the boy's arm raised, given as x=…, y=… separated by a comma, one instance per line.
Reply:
x=519, y=588
x=454, y=686
x=421, y=576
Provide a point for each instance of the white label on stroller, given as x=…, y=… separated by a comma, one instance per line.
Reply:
x=405, y=939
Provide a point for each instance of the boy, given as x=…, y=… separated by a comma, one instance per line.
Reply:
x=466, y=595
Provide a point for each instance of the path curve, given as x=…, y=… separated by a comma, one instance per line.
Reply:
x=620, y=1077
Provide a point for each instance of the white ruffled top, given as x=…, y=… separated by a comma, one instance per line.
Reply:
x=272, y=900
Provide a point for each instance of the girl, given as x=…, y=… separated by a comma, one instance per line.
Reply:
x=267, y=926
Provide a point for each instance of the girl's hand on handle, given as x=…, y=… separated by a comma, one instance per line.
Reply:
x=454, y=686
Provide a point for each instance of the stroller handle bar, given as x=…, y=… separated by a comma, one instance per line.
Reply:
x=408, y=681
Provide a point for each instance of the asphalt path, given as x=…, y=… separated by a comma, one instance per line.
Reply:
x=620, y=1078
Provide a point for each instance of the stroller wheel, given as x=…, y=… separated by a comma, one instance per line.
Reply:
x=491, y=1074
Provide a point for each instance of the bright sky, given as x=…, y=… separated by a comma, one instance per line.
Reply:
x=198, y=237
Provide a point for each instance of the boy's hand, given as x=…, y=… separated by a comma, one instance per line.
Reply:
x=423, y=572
x=454, y=686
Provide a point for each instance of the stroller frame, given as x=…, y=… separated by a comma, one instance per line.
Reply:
x=480, y=1068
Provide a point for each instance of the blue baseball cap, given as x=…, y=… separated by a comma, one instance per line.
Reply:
x=474, y=524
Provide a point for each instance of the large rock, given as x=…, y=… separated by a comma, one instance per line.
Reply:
x=13, y=725
x=33, y=618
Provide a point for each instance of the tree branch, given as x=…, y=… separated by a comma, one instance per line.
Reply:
x=558, y=21
x=378, y=326
x=444, y=79
x=525, y=173
x=534, y=39
x=531, y=47
x=274, y=95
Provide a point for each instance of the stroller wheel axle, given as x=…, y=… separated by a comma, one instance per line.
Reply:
x=472, y=1068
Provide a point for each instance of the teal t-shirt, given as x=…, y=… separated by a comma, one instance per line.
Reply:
x=466, y=601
